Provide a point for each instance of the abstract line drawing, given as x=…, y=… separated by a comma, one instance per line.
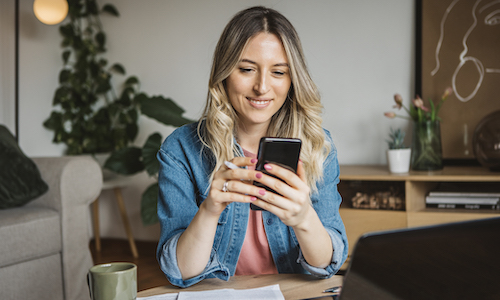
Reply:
x=492, y=18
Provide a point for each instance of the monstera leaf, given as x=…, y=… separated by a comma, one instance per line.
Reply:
x=162, y=109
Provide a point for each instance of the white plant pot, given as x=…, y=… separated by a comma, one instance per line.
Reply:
x=399, y=160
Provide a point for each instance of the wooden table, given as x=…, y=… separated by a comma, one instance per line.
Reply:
x=293, y=286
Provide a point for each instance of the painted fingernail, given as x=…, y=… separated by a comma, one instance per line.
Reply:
x=254, y=160
x=258, y=175
x=262, y=192
x=253, y=198
x=267, y=167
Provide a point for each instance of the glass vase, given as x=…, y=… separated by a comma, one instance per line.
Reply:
x=426, y=152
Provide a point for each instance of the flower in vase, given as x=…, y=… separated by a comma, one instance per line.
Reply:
x=418, y=111
x=419, y=104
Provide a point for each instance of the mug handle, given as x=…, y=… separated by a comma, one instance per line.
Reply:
x=90, y=285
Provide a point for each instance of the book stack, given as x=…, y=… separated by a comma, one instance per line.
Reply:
x=463, y=197
x=462, y=200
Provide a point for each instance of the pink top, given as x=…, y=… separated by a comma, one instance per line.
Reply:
x=255, y=257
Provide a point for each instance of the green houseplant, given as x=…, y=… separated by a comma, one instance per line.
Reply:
x=396, y=139
x=398, y=155
x=89, y=115
x=130, y=160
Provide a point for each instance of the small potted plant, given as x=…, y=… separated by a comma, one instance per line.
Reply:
x=398, y=155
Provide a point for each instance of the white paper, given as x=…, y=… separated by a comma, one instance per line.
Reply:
x=169, y=296
x=271, y=292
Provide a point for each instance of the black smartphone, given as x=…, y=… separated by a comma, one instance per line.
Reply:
x=284, y=152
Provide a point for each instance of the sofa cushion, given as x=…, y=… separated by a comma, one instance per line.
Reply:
x=28, y=232
x=39, y=279
x=20, y=180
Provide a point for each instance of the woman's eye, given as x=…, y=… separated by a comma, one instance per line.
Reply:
x=279, y=73
x=245, y=70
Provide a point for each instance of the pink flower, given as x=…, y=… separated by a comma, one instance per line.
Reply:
x=417, y=111
x=419, y=103
x=390, y=114
x=399, y=101
x=447, y=92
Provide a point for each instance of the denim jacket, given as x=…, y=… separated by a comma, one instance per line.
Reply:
x=185, y=168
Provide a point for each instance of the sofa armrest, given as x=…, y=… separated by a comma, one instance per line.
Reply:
x=75, y=179
x=74, y=183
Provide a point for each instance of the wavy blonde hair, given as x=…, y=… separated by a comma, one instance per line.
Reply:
x=300, y=115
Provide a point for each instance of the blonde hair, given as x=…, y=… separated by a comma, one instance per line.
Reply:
x=300, y=115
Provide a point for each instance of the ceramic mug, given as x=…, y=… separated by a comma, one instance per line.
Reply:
x=113, y=281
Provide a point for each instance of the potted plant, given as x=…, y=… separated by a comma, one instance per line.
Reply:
x=90, y=116
x=398, y=155
x=131, y=160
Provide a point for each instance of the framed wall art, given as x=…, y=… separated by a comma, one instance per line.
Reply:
x=458, y=46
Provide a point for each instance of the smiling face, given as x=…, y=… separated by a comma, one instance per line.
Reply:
x=259, y=85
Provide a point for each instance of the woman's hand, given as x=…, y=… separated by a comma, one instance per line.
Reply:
x=195, y=243
x=293, y=203
x=238, y=186
x=293, y=207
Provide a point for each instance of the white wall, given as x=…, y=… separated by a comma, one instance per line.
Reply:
x=360, y=52
x=7, y=66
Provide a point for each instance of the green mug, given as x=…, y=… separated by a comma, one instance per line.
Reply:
x=113, y=281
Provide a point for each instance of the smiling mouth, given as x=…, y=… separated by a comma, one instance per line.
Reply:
x=258, y=102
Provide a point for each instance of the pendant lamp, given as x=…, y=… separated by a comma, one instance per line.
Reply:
x=50, y=12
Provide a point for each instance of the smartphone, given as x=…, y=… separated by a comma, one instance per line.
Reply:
x=284, y=152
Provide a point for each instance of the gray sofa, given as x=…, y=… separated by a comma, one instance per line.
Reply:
x=44, y=245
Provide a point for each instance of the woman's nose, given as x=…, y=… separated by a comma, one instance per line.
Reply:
x=261, y=85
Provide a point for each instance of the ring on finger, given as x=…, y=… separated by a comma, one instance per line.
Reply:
x=224, y=187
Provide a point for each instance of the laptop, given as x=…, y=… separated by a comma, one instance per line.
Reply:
x=450, y=261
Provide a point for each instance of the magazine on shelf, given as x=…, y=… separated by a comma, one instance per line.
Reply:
x=463, y=194
x=467, y=189
x=462, y=200
x=465, y=206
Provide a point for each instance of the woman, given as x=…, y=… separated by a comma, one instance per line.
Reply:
x=259, y=86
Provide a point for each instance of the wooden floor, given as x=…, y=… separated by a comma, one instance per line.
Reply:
x=148, y=272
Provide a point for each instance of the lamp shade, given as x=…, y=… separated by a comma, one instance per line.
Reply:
x=50, y=12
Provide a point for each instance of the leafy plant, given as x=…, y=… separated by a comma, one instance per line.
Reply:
x=131, y=160
x=396, y=140
x=90, y=117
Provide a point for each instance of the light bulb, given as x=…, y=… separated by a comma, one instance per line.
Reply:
x=50, y=12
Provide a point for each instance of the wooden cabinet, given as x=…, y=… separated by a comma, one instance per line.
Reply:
x=415, y=186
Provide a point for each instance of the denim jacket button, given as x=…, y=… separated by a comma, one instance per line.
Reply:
x=269, y=221
x=281, y=259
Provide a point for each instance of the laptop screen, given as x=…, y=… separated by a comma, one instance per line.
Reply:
x=450, y=261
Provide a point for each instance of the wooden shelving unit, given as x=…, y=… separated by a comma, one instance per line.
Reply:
x=416, y=186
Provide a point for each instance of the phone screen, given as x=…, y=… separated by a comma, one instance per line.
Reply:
x=284, y=152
